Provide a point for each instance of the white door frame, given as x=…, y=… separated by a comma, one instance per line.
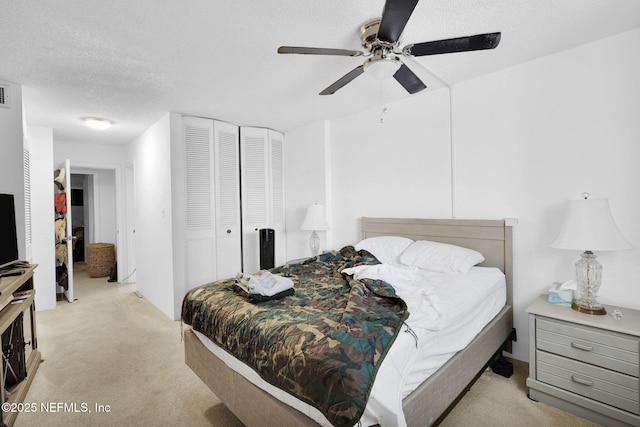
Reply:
x=129, y=270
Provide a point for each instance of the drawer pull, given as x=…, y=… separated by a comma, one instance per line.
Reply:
x=581, y=346
x=581, y=381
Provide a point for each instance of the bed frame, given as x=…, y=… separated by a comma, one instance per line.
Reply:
x=432, y=399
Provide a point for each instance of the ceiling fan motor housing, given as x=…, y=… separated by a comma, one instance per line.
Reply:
x=379, y=51
x=369, y=37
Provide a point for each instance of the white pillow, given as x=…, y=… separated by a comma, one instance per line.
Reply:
x=386, y=248
x=441, y=257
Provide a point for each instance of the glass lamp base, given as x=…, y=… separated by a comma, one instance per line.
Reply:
x=314, y=244
x=588, y=310
x=588, y=277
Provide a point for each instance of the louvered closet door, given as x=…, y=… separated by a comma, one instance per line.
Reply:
x=262, y=172
x=200, y=235
x=255, y=182
x=227, y=179
x=276, y=193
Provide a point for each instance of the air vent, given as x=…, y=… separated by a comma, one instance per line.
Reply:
x=4, y=96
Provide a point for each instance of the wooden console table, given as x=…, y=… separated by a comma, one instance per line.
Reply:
x=20, y=355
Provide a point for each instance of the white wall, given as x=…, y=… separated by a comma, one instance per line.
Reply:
x=311, y=144
x=182, y=279
x=545, y=132
x=40, y=140
x=526, y=139
x=400, y=167
x=11, y=164
x=88, y=155
x=151, y=154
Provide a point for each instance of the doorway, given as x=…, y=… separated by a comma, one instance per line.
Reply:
x=94, y=214
x=81, y=214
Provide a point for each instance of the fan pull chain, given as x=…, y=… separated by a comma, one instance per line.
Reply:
x=383, y=111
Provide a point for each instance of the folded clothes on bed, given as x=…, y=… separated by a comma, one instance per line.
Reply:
x=254, y=298
x=263, y=283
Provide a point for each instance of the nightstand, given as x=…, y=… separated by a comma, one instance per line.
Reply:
x=585, y=364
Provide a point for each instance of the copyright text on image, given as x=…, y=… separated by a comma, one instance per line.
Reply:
x=53, y=407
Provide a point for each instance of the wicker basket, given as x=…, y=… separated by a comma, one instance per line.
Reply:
x=100, y=259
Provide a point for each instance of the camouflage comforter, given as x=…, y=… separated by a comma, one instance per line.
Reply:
x=324, y=344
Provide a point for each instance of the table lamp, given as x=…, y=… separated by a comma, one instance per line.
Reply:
x=315, y=220
x=588, y=225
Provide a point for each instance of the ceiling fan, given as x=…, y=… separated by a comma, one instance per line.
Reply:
x=381, y=37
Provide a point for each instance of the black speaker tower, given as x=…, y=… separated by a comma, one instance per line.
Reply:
x=267, y=248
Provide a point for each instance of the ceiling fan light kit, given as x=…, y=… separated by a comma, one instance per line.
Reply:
x=381, y=68
x=381, y=40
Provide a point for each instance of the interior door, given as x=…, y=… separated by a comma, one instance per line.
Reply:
x=64, y=240
x=227, y=196
x=276, y=194
x=200, y=233
x=255, y=181
x=262, y=170
x=129, y=274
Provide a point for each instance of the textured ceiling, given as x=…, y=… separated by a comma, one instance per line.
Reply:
x=132, y=61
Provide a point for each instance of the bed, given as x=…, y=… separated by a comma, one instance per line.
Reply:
x=425, y=405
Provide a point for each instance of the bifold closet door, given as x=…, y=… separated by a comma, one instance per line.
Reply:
x=200, y=234
x=212, y=220
x=262, y=193
x=276, y=194
x=227, y=196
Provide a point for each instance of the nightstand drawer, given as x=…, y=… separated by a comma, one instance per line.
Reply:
x=603, y=385
x=617, y=352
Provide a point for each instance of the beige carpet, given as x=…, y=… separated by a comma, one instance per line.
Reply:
x=113, y=349
x=502, y=402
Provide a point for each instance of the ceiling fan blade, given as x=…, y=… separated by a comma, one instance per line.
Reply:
x=318, y=51
x=395, y=15
x=460, y=44
x=409, y=80
x=343, y=80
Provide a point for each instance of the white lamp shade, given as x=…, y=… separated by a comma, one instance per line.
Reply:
x=315, y=218
x=589, y=225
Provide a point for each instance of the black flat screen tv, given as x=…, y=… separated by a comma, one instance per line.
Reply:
x=8, y=234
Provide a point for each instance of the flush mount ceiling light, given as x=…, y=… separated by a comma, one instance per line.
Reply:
x=97, y=123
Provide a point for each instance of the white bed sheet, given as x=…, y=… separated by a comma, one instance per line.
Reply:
x=447, y=310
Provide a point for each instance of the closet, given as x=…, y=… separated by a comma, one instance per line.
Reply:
x=233, y=181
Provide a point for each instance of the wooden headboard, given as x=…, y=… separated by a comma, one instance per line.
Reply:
x=492, y=238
